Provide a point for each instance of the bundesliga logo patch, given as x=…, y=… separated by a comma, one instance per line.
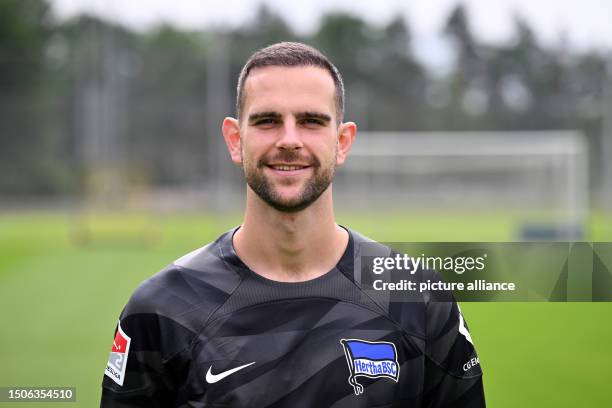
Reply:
x=117, y=359
x=372, y=359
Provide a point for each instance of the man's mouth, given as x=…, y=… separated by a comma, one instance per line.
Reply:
x=287, y=167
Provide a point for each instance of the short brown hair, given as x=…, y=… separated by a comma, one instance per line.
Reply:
x=290, y=54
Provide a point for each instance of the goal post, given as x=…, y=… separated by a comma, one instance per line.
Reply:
x=542, y=174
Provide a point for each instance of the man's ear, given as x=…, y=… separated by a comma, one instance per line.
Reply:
x=346, y=136
x=231, y=134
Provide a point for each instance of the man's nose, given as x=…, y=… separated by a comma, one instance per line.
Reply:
x=289, y=137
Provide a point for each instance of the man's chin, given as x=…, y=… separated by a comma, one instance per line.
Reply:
x=289, y=205
x=287, y=198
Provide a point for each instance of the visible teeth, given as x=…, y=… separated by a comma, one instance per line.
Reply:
x=287, y=168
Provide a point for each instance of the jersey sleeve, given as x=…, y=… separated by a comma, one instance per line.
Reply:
x=453, y=376
x=145, y=365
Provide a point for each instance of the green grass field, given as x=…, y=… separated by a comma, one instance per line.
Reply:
x=64, y=279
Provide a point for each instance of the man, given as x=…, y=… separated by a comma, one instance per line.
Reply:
x=271, y=314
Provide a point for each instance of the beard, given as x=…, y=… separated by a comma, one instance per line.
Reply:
x=312, y=190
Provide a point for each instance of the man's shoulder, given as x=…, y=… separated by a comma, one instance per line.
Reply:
x=195, y=283
x=364, y=244
x=406, y=308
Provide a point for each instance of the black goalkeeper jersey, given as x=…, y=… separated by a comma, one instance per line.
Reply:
x=209, y=332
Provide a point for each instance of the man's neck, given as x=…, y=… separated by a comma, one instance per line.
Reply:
x=290, y=247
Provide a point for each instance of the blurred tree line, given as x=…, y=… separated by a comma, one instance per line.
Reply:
x=85, y=98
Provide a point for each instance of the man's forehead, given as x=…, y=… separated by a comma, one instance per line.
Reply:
x=281, y=81
x=306, y=72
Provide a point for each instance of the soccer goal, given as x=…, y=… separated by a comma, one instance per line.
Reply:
x=541, y=174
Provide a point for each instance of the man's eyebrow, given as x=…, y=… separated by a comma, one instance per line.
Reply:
x=316, y=115
x=261, y=115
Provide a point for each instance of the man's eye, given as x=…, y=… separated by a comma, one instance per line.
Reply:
x=313, y=121
x=268, y=121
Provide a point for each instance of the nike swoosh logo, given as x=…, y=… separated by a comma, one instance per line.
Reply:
x=213, y=378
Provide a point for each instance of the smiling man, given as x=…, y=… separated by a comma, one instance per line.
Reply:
x=272, y=313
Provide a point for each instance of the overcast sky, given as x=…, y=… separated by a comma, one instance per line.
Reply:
x=585, y=22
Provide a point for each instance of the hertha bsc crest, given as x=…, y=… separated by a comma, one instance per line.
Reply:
x=373, y=359
x=117, y=360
